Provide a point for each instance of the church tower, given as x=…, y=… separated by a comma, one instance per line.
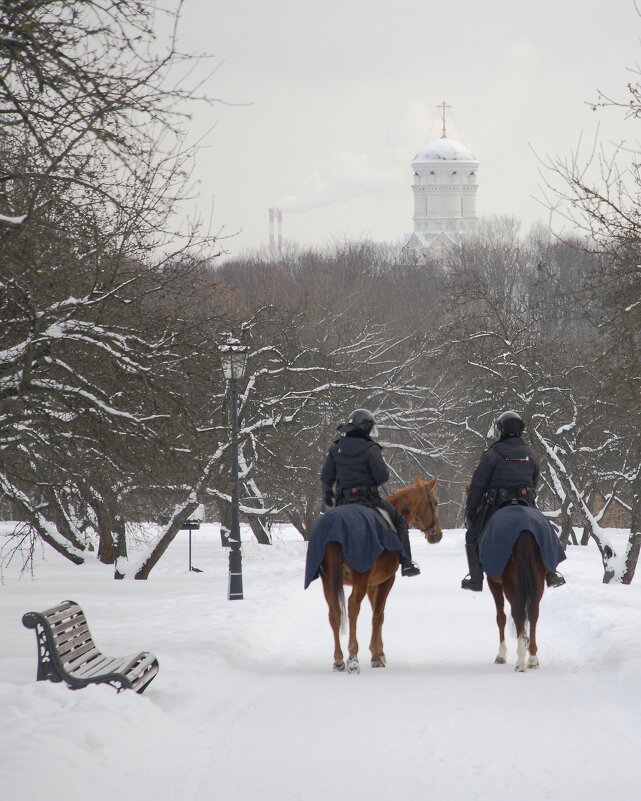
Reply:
x=444, y=190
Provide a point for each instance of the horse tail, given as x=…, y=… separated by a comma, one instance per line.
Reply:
x=334, y=567
x=527, y=558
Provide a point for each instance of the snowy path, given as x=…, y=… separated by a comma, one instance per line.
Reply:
x=263, y=717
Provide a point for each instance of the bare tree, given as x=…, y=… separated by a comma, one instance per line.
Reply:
x=92, y=163
x=598, y=194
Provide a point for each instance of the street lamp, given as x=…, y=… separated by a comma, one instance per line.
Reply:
x=234, y=359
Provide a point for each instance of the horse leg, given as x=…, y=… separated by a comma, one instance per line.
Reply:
x=330, y=576
x=496, y=588
x=359, y=588
x=519, y=616
x=378, y=597
x=519, y=597
x=528, y=589
x=533, y=659
x=335, y=623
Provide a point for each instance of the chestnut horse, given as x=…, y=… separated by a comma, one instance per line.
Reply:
x=418, y=505
x=522, y=583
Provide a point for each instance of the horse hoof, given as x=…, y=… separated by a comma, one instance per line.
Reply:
x=338, y=667
x=533, y=666
x=352, y=665
x=520, y=669
x=377, y=663
x=500, y=660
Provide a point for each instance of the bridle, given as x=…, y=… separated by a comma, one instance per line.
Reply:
x=431, y=529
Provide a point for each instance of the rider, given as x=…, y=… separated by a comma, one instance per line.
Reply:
x=356, y=465
x=507, y=472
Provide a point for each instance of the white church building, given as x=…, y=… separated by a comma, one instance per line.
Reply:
x=444, y=190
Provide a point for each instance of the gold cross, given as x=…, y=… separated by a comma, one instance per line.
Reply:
x=444, y=106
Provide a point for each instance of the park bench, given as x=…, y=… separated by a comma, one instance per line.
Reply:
x=67, y=652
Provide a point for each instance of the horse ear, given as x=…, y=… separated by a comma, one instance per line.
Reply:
x=431, y=484
x=417, y=480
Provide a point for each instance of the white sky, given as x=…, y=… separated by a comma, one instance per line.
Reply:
x=341, y=94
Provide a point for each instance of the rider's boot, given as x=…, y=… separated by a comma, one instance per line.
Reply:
x=554, y=579
x=474, y=580
x=408, y=568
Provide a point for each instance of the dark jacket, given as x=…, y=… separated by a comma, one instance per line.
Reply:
x=508, y=464
x=354, y=461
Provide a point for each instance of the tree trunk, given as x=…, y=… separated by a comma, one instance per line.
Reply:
x=260, y=532
x=298, y=522
x=106, y=550
x=567, y=530
x=160, y=546
x=72, y=553
x=608, y=554
x=120, y=545
x=634, y=543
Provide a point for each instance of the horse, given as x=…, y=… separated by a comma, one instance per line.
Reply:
x=522, y=583
x=418, y=504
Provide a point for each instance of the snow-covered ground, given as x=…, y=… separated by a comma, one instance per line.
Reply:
x=245, y=706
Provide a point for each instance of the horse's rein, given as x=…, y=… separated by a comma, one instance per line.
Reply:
x=430, y=529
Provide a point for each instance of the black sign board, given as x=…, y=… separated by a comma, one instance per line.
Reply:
x=190, y=525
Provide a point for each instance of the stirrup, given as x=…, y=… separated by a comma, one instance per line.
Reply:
x=554, y=579
x=410, y=569
x=469, y=583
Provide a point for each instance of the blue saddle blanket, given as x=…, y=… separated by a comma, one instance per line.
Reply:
x=361, y=531
x=502, y=531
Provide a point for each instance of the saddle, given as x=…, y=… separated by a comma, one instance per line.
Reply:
x=366, y=496
x=386, y=517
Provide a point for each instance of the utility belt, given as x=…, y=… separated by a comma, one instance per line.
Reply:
x=495, y=498
x=372, y=492
x=358, y=495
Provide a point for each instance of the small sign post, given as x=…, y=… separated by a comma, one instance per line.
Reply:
x=193, y=524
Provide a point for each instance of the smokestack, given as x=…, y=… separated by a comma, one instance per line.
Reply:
x=271, y=229
x=279, y=217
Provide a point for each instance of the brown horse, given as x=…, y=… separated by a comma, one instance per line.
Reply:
x=418, y=505
x=522, y=583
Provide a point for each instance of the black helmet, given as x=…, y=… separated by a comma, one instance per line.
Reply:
x=361, y=419
x=510, y=424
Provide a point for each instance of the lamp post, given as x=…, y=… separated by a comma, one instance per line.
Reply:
x=234, y=359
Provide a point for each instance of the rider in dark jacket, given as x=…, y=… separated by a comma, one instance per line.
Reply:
x=355, y=465
x=507, y=472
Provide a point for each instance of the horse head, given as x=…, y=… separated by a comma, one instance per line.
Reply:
x=419, y=506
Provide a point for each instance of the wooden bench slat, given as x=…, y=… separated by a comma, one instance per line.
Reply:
x=55, y=617
x=73, y=663
x=66, y=622
x=68, y=646
x=64, y=635
x=108, y=666
x=138, y=664
x=143, y=680
x=79, y=646
x=65, y=606
x=100, y=664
